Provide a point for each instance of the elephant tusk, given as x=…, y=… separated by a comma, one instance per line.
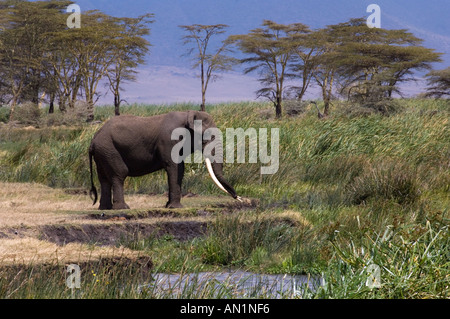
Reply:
x=213, y=176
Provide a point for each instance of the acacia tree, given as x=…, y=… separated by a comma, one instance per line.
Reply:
x=371, y=63
x=66, y=80
x=271, y=49
x=95, y=42
x=209, y=61
x=439, y=83
x=128, y=53
x=24, y=46
x=79, y=59
x=40, y=55
x=303, y=57
x=323, y=47
x=61, y=67
x=366, y=64
x=13, y=66
x=104, y=46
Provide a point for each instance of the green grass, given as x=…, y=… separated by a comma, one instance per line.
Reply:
x=413, y=262
x=237, y=241
x=351, y=177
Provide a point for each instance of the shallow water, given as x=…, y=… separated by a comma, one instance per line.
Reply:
x=238, y=284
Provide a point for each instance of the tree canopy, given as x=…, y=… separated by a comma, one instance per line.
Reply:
x=270, y=49
x=372, y=62
x=208, y=60
x=41, y=56
x=363, y=64
x=439, y=83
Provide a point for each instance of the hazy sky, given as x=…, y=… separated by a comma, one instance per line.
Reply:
x=168, y=78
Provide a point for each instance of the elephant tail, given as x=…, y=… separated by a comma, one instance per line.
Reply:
x=93, y=193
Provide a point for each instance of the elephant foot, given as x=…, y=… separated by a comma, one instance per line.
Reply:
x=105, y=207
x=120, y=206
x=174, y=205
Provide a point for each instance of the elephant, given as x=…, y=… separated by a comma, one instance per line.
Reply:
x=134, y=146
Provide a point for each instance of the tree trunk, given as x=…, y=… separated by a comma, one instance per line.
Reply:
x=51, y=108
x=327, y=89
x=278, y=108
x=306, y=78
x=13, y=108
x=117, y=104
x=203, y=106
x=326, y=110
x=34, y=95
x=62, y=103
x=90, y=111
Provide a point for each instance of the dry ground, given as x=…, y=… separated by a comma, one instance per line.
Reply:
x=33, y=205
x=31, y=251
x=39, y=224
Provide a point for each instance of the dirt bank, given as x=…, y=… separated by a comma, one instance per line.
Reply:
x=116, y=234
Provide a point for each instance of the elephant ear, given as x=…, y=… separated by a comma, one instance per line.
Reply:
x=206, y=119
x=192, y=116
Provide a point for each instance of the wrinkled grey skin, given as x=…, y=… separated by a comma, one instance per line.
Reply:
x=136, y=146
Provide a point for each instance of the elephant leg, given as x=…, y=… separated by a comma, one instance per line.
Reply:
x=118, y=194
x=112, y=172
x=106, y=197
x=106, y=185
x=175, y=174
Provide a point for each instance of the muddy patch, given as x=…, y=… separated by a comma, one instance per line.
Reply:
x=18, y=232
x=115, y=234
x=247, y=203
x=213, y=210
x=157, y=213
